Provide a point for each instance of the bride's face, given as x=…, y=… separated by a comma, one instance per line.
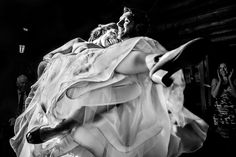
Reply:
x=109, y=38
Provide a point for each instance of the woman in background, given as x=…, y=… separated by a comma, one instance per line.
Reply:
x=223, y=92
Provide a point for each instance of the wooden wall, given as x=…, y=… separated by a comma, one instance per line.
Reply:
x=178, y=21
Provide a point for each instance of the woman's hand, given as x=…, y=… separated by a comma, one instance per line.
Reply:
x=231, y=74
x=218, y=74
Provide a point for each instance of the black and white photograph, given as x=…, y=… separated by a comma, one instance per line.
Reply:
x=118, y=78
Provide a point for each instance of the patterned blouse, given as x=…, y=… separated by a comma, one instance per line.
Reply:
x=224, y=115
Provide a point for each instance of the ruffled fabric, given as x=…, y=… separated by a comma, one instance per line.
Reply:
x=140, y=118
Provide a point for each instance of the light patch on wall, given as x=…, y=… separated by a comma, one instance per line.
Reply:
x=21, y=48
x=25, y=29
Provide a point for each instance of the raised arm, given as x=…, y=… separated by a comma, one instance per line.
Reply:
x=66, y=48
x=232, y=84
x=215, y=87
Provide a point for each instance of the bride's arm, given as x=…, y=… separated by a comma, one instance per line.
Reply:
x=66, y=48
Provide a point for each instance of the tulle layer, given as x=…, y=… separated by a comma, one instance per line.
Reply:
x=140, y=118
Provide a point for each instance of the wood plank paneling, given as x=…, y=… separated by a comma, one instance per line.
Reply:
x=175, y=22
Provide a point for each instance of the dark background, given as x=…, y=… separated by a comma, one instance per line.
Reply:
x=51, y=23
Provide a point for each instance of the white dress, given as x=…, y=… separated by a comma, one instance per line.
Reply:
x=142, y=119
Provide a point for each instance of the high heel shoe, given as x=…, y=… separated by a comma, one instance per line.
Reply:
x=39, y=135
x=187, y=54
x=162, y=77
x=42, y=134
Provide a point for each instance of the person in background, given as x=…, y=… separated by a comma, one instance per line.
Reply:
x=12, y=105
x=22, y=84
x=223, y=91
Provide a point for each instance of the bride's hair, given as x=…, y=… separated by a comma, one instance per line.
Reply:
x=100, y=30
